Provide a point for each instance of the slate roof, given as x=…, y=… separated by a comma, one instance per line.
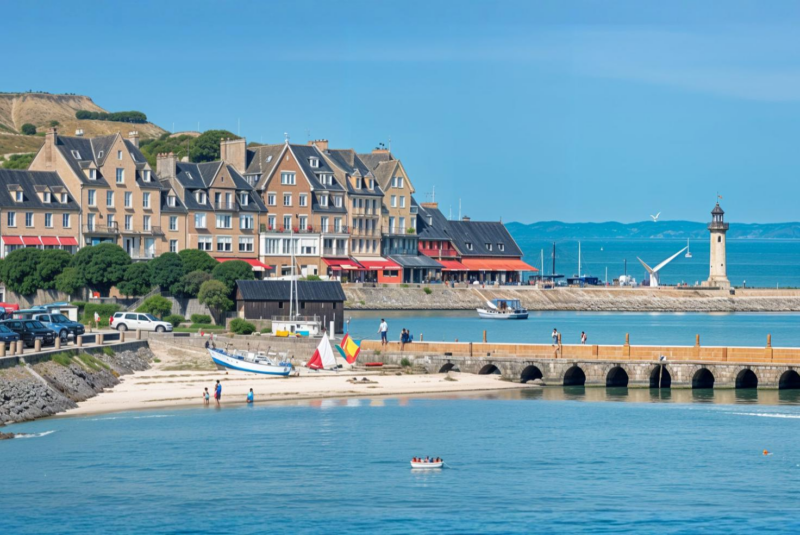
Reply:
x=303, y=153
x=418, y=261
x=265, y=290
x=28, y=181
x=257, y=159
x=348, y=162
x=431, y=223
x=199, y=176
x=179, y=208
x=373, y=160
x=479, y=233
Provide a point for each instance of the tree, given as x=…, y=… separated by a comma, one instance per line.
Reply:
x=214, y=294
x=54, y=123
x=166, y=270
x=190, y=284
x=205, y=147
x=28, y=129
x=19, y=271
x=19, y=161
x=229, y=272
x=102, y=266
x=179, y=145
x=197, y=260
x=70, y=281
x=136, y=280
x=52, y=263
x=156, y=305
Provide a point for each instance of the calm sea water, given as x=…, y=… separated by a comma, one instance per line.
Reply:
x=758, y=262
x=519, y=463
x=732, y=329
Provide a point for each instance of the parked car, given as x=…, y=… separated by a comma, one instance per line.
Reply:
x=132, y=321
x=8, y=337
x=65, y=327
x=30, y=330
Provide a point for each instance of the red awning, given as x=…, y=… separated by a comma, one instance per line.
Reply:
x=343, y=264
x=31, y=240
x=50, y=240
x=68, y=241
x=452, y=265
x=496, y=264
x=12, y=240
x=379, y=264
x=257, y=265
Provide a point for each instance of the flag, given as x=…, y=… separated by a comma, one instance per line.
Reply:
x=349, y=348
x=323, y=356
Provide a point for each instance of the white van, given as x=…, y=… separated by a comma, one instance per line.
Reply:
x=132, y=321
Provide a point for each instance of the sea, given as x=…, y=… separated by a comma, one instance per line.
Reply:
x=539, y=460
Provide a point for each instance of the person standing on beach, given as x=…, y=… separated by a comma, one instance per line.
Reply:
x=250, y=396
x=218, y=392
x=206, y=397
x=583, y=338
x=384, y=330
x=555, y=337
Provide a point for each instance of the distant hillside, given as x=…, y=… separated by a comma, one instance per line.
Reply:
x=557, y=230
x=40, y=109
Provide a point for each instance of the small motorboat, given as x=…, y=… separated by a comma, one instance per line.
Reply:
x=503, y=309
x=427, y=465
x=250, y=361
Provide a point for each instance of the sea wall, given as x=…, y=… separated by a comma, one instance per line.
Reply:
x=440, y=297
x=35, y=390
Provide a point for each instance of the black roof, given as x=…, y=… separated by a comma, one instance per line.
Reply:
x=431, y=223
x=279, y=291
x=479, y=234
x=28, y=180
x=419, y=261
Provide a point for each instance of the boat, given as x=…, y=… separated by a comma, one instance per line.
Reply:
x=688, y=251
x=503, y=309
x=250, y=361
x=427, y=466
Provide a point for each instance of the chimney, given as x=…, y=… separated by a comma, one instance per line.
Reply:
x=78, y=132
x=50, y=140
x=134, y=138
x=465, y=218
x=234, y=152
x=434, y=205
x=166, y=166
x=321, y=144
x=380, y=151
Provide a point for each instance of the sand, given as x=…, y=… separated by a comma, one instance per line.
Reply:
x=179, y=376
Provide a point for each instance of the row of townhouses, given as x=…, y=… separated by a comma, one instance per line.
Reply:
x=344, y=215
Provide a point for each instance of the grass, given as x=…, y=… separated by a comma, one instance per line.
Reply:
x=198, y=326
x=156, y=360
x=405, y=363
x=427, y=290
x=266, y=330
x=63, y=359
x=92, y=362
x=404, y=285
x=108, y=352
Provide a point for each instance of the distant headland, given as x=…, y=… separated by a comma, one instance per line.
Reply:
x=558, y=230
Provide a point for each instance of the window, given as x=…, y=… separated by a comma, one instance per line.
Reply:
x=501, y=246
x=47, y=197
x=48, y=220
x=146, y=200
x=287, y=222
x=91, y=197
x=173, y=222
x=399, y=182
x=337, y=201
x=204, y=243
x=110, y=198
x=120, y=175
x=272, y=199
x=358, y=183
x=371, y=183
x=92, y=174
x=469, y=246
x=303, y=199
x=76, y=154
x=64, y=198
x=303, y=222
x=246, y=222
x=287, y=199
x=394, y=201
x=244, y=198
x=224, y=220
x=324, y=223
x=128, y=222
x=314, y=162
x=271, y=222
x=488, y=246
x=173, y=246
x=271, y=246
x=172, y=201
x=402, y=224
x=100, y=155
x=200, y=197
x=65, y=220
x=146, y=175
x=119, y=155
x=90, y=221
x=200, y=220
x=217, y=197
x=402, y=202
x=246, y=244
x=189, y=175
x=391, y=225
x=337, y=224
x=12, y=219
x=110, y=220
x=323, y=200
x=288, y=178
x=128, y=199
x=224, y=244
x=18, y=196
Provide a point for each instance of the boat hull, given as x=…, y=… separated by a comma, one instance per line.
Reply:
x=426, y=466
x=489, y=315
x=227, y=361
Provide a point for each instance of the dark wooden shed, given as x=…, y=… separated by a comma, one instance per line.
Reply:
x=266, y=299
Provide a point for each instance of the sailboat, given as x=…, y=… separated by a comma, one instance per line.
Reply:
x=294, y=324
x=249, y=361
x=323, y=358
x=688, y=252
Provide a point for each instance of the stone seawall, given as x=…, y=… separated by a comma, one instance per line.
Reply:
x=439, y=297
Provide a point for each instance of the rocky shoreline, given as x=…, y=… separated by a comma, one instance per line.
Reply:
x=34, y=391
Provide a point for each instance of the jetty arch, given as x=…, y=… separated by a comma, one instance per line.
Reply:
x=662, y=372
x=531, y=373
x=490, y=369
x=574, y=376
x=746, y=379
x=449, y=366
x=703, y=378
x=617, y=377
x=789, y=380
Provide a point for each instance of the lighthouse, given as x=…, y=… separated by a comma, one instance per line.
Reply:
x=718, y=267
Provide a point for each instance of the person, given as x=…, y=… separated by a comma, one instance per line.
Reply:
x=384, y=330
x=403, y=339
x=583, y=338
x=207, y=344
x=206, y=397
x=250, y=396
x=555, y=337
x=218, y=392
x=96, y=319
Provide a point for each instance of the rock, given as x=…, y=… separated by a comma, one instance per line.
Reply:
x=6, y=436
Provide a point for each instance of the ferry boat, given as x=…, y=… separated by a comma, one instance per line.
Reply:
x=426, y=465
x=250, y=361
x=503, y=309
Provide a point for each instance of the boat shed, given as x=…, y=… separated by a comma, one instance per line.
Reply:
x=269, y=299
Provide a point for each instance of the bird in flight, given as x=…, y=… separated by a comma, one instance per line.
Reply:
x=655, y=217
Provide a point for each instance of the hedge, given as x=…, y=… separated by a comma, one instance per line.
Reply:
x=200, y=318
x=175, y=319
x=240, y=326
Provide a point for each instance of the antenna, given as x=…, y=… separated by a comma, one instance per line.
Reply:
x=433, y=194
x=286, y=137
x=450, y=217
x=390, y=143
x=459, y=208
x=238, y=127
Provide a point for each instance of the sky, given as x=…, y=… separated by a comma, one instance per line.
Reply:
x=519, y=111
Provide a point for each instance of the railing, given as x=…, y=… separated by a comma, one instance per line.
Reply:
x=101, y=229
x=224, y=206
x=334, y=251
x=396, y=230
x=155, y=231
x=295, y=318
x=136, y=255
x=364, y=232
x=365, y=211
x=433, y=251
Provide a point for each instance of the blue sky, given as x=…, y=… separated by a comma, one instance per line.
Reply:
x=526, y=111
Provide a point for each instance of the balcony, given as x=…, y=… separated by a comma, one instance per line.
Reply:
x=146, y=255
x=111, y=230
x=332, y=229
x=398, y=231
x=334, y=251
x=364, y=232
x=224, y=205
x=438, y=253
x=155, y=231
x=365, y=211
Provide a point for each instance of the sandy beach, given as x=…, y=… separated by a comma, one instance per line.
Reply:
x=179, y=375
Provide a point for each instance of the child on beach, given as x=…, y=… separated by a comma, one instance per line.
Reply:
x=250, y=396
x=206, y=397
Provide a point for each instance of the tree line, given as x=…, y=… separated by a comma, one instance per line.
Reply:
x=117, y=116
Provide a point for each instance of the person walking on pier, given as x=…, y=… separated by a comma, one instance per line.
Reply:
x=555, y=337
x=384, y=330
x=583, y=338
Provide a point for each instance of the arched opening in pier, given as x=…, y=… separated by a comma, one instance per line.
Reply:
x=663, y=373
x=617, y=377
x=574, y=377
x=790, y=380
x=490, y=369
x=746, y=379
x=531, y=373
x=449, y=367
x=703, y=378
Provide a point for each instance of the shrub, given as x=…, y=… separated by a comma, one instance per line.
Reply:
x=405, y=363
x=205, y=147
x=266, y=330
x=104, y=310
x=70, y=281
x=175, y=319
x=311, y=278
x=240, y=326
x=229, y=272
x=156, y=305
x=200, y=318
x=54, y=123
x=427, y=290
x=19, y=161
x=28, y=129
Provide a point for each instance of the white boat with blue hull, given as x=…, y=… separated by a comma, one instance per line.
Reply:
x=249, y=361
x=503, y=309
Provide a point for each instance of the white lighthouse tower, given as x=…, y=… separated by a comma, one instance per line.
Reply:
x=718, y=267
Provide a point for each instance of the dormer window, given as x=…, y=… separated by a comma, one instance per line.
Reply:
x=371, y=183
x=18, y=196
x=172, y=201
x=146, y=175
x=358, y=183
x=76, y=154
x=323, y=200
x=488, y=246
x=314, y=162
x=47, y=197
x=92, y=174
x=200, y=196
x=244, y=198
x=501, y=246
x=468, y=244
x=337, y=201
x=64, y=198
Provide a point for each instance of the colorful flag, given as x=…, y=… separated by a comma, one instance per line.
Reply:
x=350, y=348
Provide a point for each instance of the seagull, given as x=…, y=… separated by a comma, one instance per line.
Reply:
x=655, y=217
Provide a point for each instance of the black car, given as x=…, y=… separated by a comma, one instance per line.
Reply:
x=30, y=330
x=8, y=337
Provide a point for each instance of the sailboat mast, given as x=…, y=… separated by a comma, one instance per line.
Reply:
x=579, y=259
x=291, y=279
x=554, y=259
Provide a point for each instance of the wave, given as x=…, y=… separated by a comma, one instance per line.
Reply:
x=768, y=414
x=34, y=435
x=130, y=417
